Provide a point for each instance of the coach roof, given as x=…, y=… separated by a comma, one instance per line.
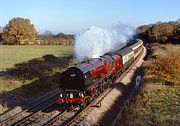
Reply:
x=124, y=51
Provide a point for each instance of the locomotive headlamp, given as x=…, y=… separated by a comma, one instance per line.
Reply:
x=72, y=75
x=71, y=95
x=82, y=95
x=61, y=95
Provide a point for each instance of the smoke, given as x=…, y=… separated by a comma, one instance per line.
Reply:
x=96, y=41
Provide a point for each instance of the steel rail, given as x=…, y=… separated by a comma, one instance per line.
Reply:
x=10, y=119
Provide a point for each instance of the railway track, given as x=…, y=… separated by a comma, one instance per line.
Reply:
x=81, y=115
x=29, y=111
x=61, y=119
x=40, y=117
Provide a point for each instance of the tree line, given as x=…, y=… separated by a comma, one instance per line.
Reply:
x=20, y=31
x=48, y=38
x=160, y=32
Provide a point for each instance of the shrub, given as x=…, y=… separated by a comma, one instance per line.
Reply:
x=167, y=67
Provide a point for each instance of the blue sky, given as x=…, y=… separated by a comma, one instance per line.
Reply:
x=72, y=16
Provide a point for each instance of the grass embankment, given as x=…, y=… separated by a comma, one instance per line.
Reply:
x=32, y=71
x=158, y=99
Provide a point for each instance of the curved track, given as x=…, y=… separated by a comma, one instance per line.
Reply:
x=80, y=116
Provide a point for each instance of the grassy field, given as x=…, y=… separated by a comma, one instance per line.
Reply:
x=10, y=55
x=34, y=75
x=157, y=102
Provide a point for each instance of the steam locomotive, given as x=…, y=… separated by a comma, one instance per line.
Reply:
x=83, y=82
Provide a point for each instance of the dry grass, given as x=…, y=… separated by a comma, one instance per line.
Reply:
x=158, y=99
x=167, y=67
x=8, y=84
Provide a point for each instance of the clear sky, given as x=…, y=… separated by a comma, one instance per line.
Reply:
x=72, y=16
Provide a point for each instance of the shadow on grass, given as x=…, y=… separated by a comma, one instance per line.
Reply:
x=38, y=67
x=42, y=71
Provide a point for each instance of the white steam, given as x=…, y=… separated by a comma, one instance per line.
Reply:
x=97, y=41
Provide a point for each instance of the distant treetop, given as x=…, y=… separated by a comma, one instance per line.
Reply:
x=19, y=30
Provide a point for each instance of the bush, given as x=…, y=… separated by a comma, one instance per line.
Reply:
x=167, y=67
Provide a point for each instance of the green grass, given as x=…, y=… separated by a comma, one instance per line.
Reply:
x=10, y=55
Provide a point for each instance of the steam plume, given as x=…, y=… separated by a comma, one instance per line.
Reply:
x=96, y=41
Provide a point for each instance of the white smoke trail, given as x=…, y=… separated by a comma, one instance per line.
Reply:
x=97, y=41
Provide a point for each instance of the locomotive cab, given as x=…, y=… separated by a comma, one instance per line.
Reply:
x=73, y=85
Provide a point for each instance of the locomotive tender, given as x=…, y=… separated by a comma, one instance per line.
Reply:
x=82, y=83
